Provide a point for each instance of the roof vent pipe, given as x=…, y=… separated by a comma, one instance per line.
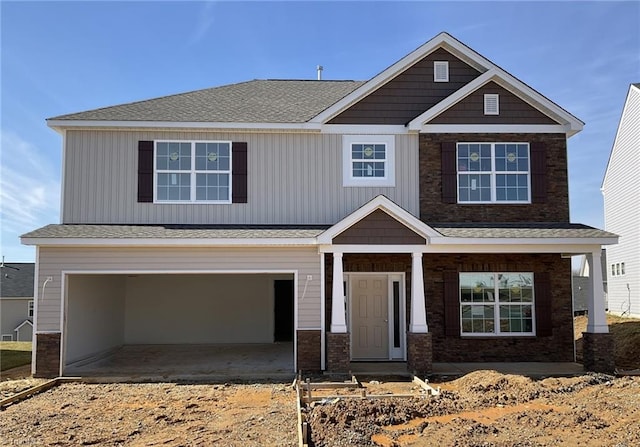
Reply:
x=319, y=68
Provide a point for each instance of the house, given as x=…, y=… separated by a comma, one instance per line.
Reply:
x=16, y=301
x=581, y=284
x=621, y=191
x=421, y=216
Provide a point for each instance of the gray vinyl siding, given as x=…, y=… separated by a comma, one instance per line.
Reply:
x=54, y=261
x=13, y=312
x=622, y=214
x=294, y=178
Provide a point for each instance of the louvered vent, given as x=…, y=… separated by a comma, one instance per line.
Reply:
x=441, y=71
x=491, y=104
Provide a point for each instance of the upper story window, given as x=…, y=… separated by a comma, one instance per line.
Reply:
x=30, y=309
x=493, y=173
x=368, y=160
x=193, y=171
x=496, y=304
x=440, y=71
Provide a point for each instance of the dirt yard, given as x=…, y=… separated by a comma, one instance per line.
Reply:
x=483, y=408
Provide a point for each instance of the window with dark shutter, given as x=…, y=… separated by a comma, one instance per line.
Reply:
x=449, y=173
x=451, y=305
x=145, y=171
x=538, y=172
x=542, y=286
x=239, y=173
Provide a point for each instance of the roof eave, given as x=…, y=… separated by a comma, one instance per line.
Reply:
x=61, y=125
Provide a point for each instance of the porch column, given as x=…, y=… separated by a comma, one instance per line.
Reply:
x=418, y=323
x=597, y=321
x=338, y=313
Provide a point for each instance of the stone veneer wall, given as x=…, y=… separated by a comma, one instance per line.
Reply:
x=47, y=355
x=554, y=209
x=309, y=350
x=419, y=353
x=338, y=352
x=598, y=352
x=559, y=347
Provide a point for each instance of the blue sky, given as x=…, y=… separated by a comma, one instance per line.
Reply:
x=63, y=57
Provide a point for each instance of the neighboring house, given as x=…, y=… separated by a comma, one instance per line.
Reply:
x=420, y=216
x=16, y=301
x=581, y=284
x=621, y=190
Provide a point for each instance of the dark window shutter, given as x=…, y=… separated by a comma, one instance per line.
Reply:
x=239, y=172
x=538, y=172
x=449, y=173
x=542, y=290
x=451, y=305
x=145, y=171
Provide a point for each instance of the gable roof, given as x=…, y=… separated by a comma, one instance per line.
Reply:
x=16, y=280
x=303, y=104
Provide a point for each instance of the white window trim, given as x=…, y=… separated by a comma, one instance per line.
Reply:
x=493, y=174
x=7, y=337
x=496, y=312
x=389, y=178
x=193, y=173
x=444, y=64
x=30, y=308
x=491, y=96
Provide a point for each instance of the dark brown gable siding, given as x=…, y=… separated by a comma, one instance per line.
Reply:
x=378, y=228
x=556, y=209
x=410, y=93
x=513, y=110
x=145, y=171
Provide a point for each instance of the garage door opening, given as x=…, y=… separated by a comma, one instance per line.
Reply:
x=178, y=324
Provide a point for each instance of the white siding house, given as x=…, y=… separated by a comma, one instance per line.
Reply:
x=621, y=190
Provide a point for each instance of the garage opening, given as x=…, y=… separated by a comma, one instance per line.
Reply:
x=179, y=324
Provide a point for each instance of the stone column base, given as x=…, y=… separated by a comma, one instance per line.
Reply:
x=308, y=355
x=47, y=355
x=419, y=353
x=598, y=352
x=338, y=352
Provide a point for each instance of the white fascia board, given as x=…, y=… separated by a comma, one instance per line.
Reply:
x=22, y=324
x=533, y=241
x=149, y=242
x=494, y=128
x=59, y=125
x=385, y=204
x=364, y=129
x=441, y=40
x=364, y=248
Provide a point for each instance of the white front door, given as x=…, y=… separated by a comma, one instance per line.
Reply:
x=370, y=318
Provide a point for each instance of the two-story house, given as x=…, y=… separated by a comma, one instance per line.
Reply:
x=16, y=301
x=420, y=216
x=621, y=191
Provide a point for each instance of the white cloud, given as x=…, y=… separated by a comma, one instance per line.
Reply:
x=29, y=191
x=204, y=21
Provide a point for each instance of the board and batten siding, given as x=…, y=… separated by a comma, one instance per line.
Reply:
x=54, y=260
x=294, y=178
x=622, y=215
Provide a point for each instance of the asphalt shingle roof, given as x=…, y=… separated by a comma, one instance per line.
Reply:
x=258, y=101
x=16, y=279
x=519, y=230
x=174, y=231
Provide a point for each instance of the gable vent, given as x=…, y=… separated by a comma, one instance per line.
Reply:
x=491, y=104
x=441, y=71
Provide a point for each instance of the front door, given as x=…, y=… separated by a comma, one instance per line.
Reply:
x=370, y=318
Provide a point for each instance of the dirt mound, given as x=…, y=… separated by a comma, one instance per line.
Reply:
x=484, y=388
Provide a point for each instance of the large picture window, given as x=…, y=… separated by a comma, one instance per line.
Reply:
x=493, y=173
x=497, y=304
x=193, y=171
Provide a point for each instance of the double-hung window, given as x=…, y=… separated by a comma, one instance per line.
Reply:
x=193, y=171
x=496, y=304
x=493, y=173
x=368, y=160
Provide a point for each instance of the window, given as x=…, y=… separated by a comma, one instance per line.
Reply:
x=613, y=270
x=493, y=173
x=30, y=309
x=491, y=104
x=7, y=337
x=368, y=160
x=193, y=171
x=496, y=304
x=618, y=269
x=440, y=71
x=622, y=268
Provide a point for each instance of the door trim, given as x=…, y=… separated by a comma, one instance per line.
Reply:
x=395, y=353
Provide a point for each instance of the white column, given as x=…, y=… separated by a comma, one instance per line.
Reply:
x=418, y=323
x=338, y=314
x=597, y=320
